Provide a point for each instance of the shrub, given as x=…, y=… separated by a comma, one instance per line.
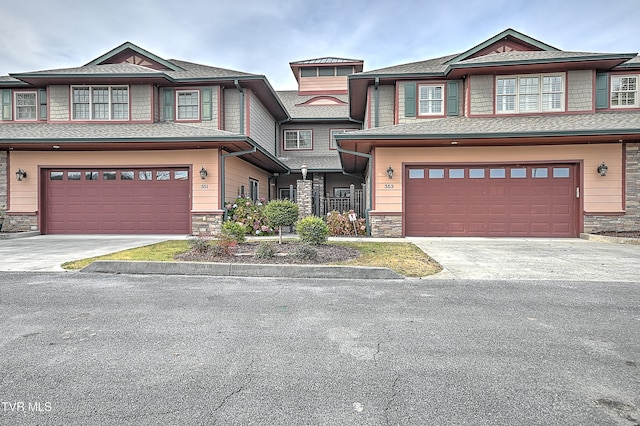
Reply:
x=250, y=216
x=200, y=243
x=304, y=252
x=281, y=213
x=312, y=230
x=226, y=245
x=339, y=224
x=234, y=230
x=265, y=250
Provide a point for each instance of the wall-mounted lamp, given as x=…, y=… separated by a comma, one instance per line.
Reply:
x=390, y=172
x=304, y=169
x=203, y=173
x=602, y=169
x=21, y=174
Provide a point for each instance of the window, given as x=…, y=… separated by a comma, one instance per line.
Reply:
x=520, y=173
x=431, y=99
x=341, y=192
x=309, y=72
x=476, y=173
x=126, y=175
x=287, y=194
x=109, y=175
x=497, y=173
x=529, y=93
x=297, y=139
x=624, y=91
x=456, y=173
x=334, y=132
x=26, y=105
x=416, y=173
x=188, y=103
x=560, y=172
x=73, y=175
x=436, y=173
x=539, y=172
x=100, y=103
x=254, y=189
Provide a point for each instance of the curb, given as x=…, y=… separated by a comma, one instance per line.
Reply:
x=615, y=240
x=14, y=235
x=241, y=270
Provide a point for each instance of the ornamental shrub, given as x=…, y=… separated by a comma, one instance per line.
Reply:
x=304, y=252
x=312, y=230
x=250, y=215
x=200, y=243
x=339, y=224
x=281, y=213
x=265, y=250
x=234, y=230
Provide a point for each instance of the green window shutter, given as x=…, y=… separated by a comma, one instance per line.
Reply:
x=452, y=98
x=410, y=99
x=206, y=104
x=42, y=102
x=5, y=100
x=602, y=91
x=167, y=105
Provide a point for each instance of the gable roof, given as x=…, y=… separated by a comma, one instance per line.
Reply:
x=131, y=48
x=327, y=60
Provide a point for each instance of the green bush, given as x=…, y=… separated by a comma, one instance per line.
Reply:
x=250, y=215
x=200, y=243
x=304, y=252
x=265, y=250
x=234, y=230
x=312, y=230
x=281, y=213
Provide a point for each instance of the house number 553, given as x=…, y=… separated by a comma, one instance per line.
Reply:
x=388, y=186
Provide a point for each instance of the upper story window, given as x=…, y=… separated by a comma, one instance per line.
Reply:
x=624, y=91
x=188, y=104
x=431, y=99
x=334, y=132
x=26, y=105
x=326, y=71
x=298, y=139
x=100, y=103
x=522, y=94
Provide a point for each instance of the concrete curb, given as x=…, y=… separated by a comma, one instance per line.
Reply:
x=606, y=239
x=241, y=270
x=13, y=235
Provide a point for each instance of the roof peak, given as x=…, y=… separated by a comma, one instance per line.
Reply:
x=326, y=60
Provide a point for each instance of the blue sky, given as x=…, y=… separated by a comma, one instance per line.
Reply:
x=263, y=36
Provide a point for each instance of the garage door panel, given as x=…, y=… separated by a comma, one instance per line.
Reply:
x=123, y=205
x=500, y=203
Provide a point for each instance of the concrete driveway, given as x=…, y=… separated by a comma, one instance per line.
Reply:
x=48, y=252
x=533, y=259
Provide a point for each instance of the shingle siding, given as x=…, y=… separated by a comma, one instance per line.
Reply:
x=232, y=111
x=580, y=90
x=386, y=98
x=481, y=94
x=140, y=98
x=262, y=125
x=58, y=103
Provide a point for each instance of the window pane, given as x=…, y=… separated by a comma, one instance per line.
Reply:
x=188, y=105
x=56, y=175
x=436, y=173
x=416, y=173
x=126, y=175
x=73, y=175
x=344, y=70
x=181, y=175
x=305, y=138
x=91, y=175
x=145, y=175
x=309, y=72
x=539, y=172
x=326, y=71
x=476, y=173
x=163, y=175
x=497, y=173
x=518, y=173
x=561, y=172
x=109, y=175
x=456, y=173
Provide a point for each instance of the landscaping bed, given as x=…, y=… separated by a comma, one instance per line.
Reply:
x=619, y=234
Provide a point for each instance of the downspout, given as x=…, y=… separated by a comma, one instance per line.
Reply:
x=376, y=97
x=222, y=174
x=241, y=90
x=369, y=179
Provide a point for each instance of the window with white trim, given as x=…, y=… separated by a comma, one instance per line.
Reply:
x=254, y=189
x=298, y=139
x=431, y=99
x=188, y=104
x=334, y=132
x=522, y=94
x=624, y=91
x=100, y=103
x=26, y=105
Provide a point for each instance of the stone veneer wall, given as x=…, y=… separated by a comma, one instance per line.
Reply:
x=386, y=225
x=630, y=221
x=206, y=223
x=304, y=198
x=20, y=223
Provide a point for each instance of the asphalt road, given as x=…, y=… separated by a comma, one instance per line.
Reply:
x=95, y=349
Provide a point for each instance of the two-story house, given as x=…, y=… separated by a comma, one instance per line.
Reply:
x=134, y=143
x=511, y=138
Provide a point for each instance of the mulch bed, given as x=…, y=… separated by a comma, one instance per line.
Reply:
x=619, y=234
x=244, y=253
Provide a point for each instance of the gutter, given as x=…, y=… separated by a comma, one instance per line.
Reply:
x=370, y=180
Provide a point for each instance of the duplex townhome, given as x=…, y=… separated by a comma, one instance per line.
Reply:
x=512, y=137
x=133, y=143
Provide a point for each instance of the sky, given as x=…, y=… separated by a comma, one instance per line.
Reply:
x=264, y=36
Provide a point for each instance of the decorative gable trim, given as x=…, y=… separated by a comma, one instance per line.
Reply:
x=130, y=53
x=322, y=100
x=508, y=39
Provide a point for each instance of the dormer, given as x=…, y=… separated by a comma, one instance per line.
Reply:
x=324, y=76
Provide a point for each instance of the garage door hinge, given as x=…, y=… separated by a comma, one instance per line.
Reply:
x=577, y=192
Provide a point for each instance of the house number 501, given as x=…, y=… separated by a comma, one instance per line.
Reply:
x=388, y=186
x=204, y=186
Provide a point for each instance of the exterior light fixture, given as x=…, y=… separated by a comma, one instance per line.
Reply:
x=304, y=169
x=203, y=173
x=21, y=174
x=602, y=169
x=390, y=172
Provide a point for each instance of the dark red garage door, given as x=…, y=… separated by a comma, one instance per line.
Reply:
x=514, y=200
x=117, y=201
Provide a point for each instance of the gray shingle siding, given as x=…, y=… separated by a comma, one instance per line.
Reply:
x=262, y=126
x=58, y=103
x=580, y=90
x=232, y=111
x=481, y=96
x=386, y=110
x=140, y=107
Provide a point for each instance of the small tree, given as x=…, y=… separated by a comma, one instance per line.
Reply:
x=281, y=213
x=312, y=230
